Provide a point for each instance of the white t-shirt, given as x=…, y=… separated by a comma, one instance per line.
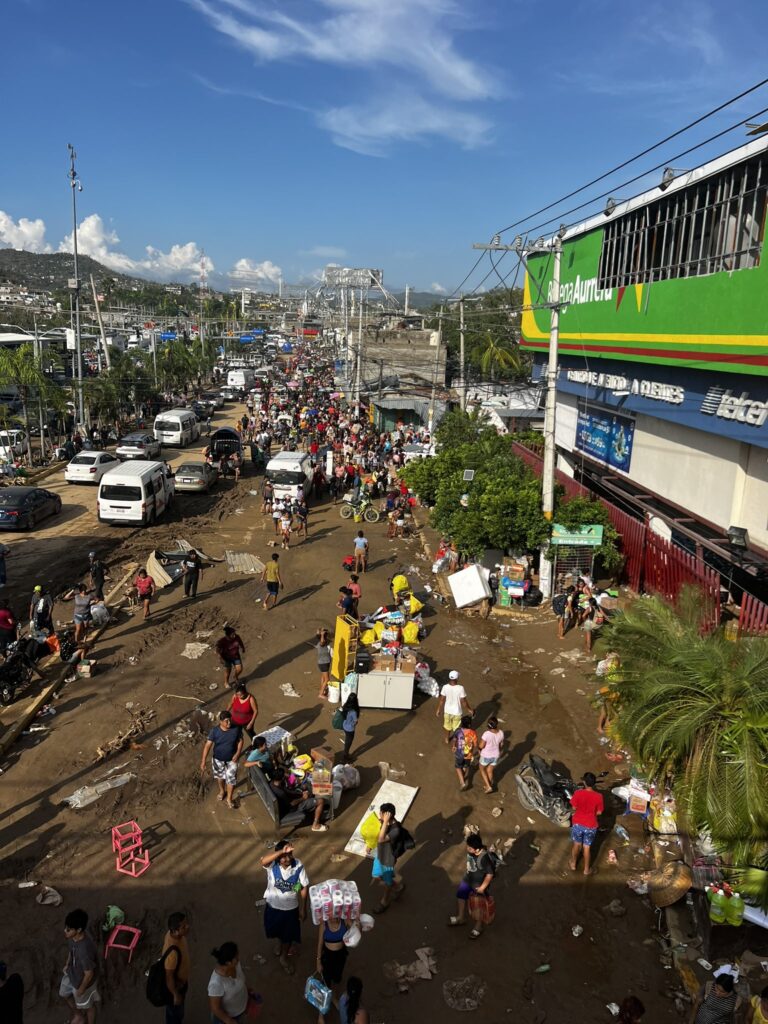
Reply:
x=454, y=693
x=278, y=899
x=233, y=991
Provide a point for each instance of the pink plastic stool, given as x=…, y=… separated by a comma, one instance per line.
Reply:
x=134, y=864
x=126, y=837
x=112, y=943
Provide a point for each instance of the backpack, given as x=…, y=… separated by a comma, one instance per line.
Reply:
x=559, y=603
x=402, y=842
x=157, y=988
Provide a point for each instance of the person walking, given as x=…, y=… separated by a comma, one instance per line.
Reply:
x=587, y=804
x=351, y=1010
x=464, y=746
x=175, y=956
x=271, y=576
x=227, y=987
x=302, y=517
x=351, y=716
x=98, y=573
x=78, y=986
x=452, y=704
x=331, y=953
x=473, y=892
x=244, y=710
x=41, y=609
x=267, y=494
x=389, y=846
x=145, y=588
x=592, y=618
x=225, y=742
x=353, y=586
x=192, y=569
x=491, y=746
x=208, y=425
x=286, y=525
x=361, y=552
x=285, y=900
x=324, y=657
x=229, y=648
x=563, y=607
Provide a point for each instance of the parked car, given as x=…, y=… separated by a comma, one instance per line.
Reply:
x=200, y=411
x=196, y=476
x=138, y=446
x=215, y=397
x=22, y=507
x=13, y=440
x=227, y=394
x=89, y=467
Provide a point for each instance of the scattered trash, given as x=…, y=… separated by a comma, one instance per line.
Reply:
x=388, y=772
x=28, y=885
x=428, y=686
x=48, y=897
x=612, y=858
x=44, y=712
x=423, y=967
x=543, y=969
x=259, y=958
x=638, y=886
x=581, y=693
x=131, y=704
x=613, y=1009
x=464, y=993
x=203, y=634
x=127, y=739
x=288, y=690
x=615, y=908
x=576, y=931
x=539, y=650
x=533, y=846
x=89, y=794
x=621, y=832
x=337, y=858
x=35, y=728
x=179, y=696
x=194, y=650
x=486, y=670
x=213, y=686
x=530, y=821
x=132, y=659
x=704, y=963
x=497, y=812
x=557, y=672
x=113, y=917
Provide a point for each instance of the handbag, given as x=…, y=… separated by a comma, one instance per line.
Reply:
x=337, y=721
x=317, y=994
x=482, y=905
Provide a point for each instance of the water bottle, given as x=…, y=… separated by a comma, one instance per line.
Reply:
x=717, y=907
x=621, y=832
x=734, y=910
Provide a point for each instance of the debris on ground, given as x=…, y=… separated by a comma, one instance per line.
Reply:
x=89, y=794
x=422, y=968
x=288, y=690
x=127, y=738
x=543, y=969
x=49, y=897
x=615, y=908
x=576, y=931
x=464, y=993
x=195, y=650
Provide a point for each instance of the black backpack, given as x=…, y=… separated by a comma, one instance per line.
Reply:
x=558, y=603
x=157, y=988
x=402, y=842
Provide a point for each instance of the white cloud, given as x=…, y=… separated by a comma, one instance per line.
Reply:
x=246, y=271
x=437, y=287
x=371, y=128
x=326, y=251
x=412, y=42
x=181, y=263
x=23, y=233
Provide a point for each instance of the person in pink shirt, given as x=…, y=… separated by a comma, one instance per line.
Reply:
x=491, y=746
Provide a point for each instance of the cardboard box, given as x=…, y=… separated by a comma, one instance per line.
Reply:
x=383, y=663
x=320, y=754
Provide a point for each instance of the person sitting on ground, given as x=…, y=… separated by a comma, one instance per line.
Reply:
x=260, y=759
x=300, y=798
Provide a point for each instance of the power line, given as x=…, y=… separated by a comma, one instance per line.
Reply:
x=458, y=288
x=638, y=156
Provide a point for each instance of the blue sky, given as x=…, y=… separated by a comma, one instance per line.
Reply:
x=280, y=135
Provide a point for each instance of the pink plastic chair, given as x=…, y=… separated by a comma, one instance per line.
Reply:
x=134, y=864
x=126, y=837
x=112, y=943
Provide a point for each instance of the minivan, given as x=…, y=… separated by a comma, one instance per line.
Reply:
x=242, y=379
x=176, y=427
x=135, y=492
x=289, y=470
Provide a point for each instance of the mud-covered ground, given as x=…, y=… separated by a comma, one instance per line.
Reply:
x=205, y=858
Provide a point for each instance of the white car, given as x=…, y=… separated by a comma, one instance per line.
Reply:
x=13, y=440
x=138, y=446
x=89, y=467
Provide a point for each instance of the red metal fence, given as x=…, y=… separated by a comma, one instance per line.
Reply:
x=652, y=564
x=753, y=617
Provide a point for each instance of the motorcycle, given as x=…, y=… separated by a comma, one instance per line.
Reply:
x=364, y=507
x=16, y=670
x=540, y=788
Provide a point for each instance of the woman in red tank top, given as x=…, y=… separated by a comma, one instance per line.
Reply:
x=244, y=709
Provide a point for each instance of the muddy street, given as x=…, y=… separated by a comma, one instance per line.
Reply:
x=205, y=857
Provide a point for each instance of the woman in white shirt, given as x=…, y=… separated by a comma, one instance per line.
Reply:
x=227, y=988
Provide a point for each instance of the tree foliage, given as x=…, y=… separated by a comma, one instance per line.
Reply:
x=694, y=705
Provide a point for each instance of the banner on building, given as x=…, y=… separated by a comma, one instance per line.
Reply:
x=606, y=437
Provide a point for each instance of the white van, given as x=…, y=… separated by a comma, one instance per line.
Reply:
x=176, y=427
x=287, y=471
x=135, y=492
x=242, y=379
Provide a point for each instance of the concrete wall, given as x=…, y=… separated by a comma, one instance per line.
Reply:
x=405, y=354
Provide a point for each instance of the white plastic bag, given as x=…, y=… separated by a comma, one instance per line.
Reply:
x=352, y=936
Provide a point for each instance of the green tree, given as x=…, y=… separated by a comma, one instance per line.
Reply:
x=694, y=705
x=575, y=512
x=19, y=367
x=495, y=354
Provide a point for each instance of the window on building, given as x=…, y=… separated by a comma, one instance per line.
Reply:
x=713, y=225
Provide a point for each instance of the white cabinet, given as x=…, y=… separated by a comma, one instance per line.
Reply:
x=385, y=690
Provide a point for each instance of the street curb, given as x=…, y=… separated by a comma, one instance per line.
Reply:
x=38, y=702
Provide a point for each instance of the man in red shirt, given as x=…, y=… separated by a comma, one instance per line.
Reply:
x=587, y=804
x=230, y=649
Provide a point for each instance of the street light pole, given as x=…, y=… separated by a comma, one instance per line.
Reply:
x=462, y=355
x=76, y=186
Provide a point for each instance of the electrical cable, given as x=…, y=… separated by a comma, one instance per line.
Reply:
x=474, y=268
x=650, y=170
x=638, y=156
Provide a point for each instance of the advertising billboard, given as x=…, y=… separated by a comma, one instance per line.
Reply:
x=605, y=437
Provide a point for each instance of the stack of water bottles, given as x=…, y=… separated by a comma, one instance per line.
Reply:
x=725, y=905
x=336, y=898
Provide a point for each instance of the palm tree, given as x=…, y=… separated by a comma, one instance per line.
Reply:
x=694, y=705
x=19, y=367
x=493, y=354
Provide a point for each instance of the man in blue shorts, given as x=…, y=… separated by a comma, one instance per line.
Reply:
x=587, y=804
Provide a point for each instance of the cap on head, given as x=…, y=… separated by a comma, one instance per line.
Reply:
x=91, y=554
x=453, y=674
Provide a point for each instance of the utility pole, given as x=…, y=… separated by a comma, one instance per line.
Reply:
x=76, y=187
x=548, y=470
x=462, y=355
x=359, y=367
x=431, y=419
x=38, y=350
